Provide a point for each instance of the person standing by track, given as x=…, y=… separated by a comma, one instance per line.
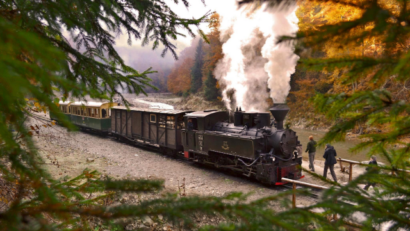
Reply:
x=311, y=149
x=372, y=167
x=330, y=161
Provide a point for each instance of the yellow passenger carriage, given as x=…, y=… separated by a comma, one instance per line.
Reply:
x=87, y=115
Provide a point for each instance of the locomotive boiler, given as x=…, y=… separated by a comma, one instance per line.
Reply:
x=251, y=145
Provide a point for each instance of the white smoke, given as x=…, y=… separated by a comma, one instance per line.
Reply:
x=253, y=61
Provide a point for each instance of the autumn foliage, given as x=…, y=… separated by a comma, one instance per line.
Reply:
x=182, y=74
x=338, y=49
x=214, y=52
x=179, y=80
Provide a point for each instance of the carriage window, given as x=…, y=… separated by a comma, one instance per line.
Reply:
x=161, y=121
x=103, y=113
x=153, y=118
x=180, y=122
x=89, y=112
x=69, y=109
x=170, y=122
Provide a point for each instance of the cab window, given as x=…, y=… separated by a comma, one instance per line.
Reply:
x=170, y=122
x=153, y=118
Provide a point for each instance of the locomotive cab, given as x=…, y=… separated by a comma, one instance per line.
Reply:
x=192, y=139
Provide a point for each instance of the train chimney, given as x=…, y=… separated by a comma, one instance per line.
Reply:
x=238, y=117
x=279, y=112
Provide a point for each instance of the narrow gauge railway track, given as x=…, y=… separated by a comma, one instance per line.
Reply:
x=41, y=118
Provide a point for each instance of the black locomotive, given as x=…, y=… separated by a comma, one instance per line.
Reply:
x=251, y=145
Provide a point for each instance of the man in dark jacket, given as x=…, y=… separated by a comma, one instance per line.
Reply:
x=330, y=161
x=190, y=125
x=311, y=149
x=371, y=167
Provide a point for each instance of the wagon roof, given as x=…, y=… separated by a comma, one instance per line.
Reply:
x=162, y=111
x=205, y=113
x=88, y=104
x=64, y=102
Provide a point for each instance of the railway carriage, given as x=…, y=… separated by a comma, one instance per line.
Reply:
x=155, y=127
x=94, y=116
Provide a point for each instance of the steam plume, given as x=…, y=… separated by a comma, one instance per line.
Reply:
x=253, y=61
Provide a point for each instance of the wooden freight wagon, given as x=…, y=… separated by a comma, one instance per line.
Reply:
x=156, y=127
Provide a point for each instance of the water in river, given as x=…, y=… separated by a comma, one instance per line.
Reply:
x=342, y=148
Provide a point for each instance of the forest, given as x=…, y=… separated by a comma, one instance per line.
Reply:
x=194, y=69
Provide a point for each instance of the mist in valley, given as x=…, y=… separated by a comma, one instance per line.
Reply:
x=143, y=58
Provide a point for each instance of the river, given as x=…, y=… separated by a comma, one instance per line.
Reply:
x=342, y=148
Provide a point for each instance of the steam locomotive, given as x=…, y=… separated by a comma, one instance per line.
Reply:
x=251, y=145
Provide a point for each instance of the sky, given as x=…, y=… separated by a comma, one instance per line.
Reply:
x=195, y=10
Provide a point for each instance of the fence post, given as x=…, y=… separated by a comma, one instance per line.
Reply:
x=335, y=216
x=350, y=172
x=342, y=169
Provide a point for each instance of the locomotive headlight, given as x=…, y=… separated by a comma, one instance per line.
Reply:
x=273, y=158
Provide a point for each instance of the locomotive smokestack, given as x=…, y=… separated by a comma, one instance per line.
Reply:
x=279, y=112
x=238, y=117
